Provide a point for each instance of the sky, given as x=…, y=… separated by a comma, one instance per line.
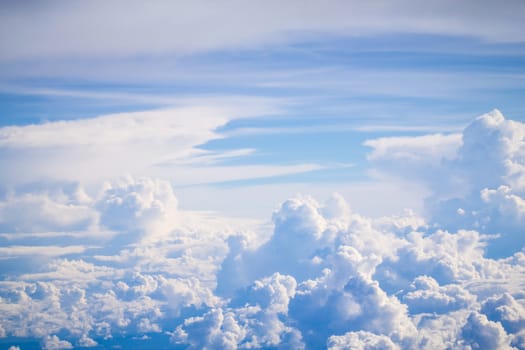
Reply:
x=231, y=174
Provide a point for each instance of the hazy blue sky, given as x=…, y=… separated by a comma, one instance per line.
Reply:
x=180, y=171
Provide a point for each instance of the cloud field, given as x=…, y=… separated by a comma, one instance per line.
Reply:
x=86, y=263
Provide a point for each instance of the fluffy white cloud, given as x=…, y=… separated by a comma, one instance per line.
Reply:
x=488, y=153
x=419, y=150
x=156, y=262
x=214, y=330
x=493, y=153
x=143, y=205
x=361, y=341
x=477, y=183
x=322, y=276
x=54, y=343
x=427, y=296
x=49, y=212
x=506, y=310
x=87, y=342
x=256, y=324
x=480, y=333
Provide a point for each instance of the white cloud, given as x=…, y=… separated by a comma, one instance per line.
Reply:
x=489, y=152
x=87, y=342
x=477, y=183
x=506, y=310
x=146, y=326
x=54, y=343
x=427, y=296
x=422, y=150
x=13, y=251
x=214, y=330
x=506, y=202
x=48, y=213
x=143, y=205
x=361, y=340
x=149, y=286
x=158, y=143
x=322, y=276
x=418, y=158
x=493, y=152
x=256, y=324
x=479, y=332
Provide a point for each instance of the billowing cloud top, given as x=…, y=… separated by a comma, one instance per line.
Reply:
x=124, y=264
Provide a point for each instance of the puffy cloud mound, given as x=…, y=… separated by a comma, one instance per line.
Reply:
x=491, y=167
x=428, y=296
x=54, y=343
x=506, y=310
x=257, y=321
x=480, y=333
x=477, y=177
x=493, y=152
x=125, y=264
x=360, y=341
x=145, y=206
x=64, y=209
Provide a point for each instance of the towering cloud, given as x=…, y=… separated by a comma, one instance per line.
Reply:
x=478, y=180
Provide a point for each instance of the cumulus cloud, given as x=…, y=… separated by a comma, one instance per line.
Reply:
x=496, y=147
x=477, y=183
x=505, y=310
x=143, y=205
x=87, y=342
x=155, y=263
x=256, y=324
x=322, y=276
x=427, y=296
x=360, y=340
x=337, y=279
x=54, y=343
x=49, y=212
x=480, y=333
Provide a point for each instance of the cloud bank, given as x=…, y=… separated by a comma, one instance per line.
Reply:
x=126, y=264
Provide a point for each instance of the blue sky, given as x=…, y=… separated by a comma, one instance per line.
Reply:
x=237, y=174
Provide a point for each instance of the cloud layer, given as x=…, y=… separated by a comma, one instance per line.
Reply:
x=126, y=264
x=158, y=143
x=125, y=28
